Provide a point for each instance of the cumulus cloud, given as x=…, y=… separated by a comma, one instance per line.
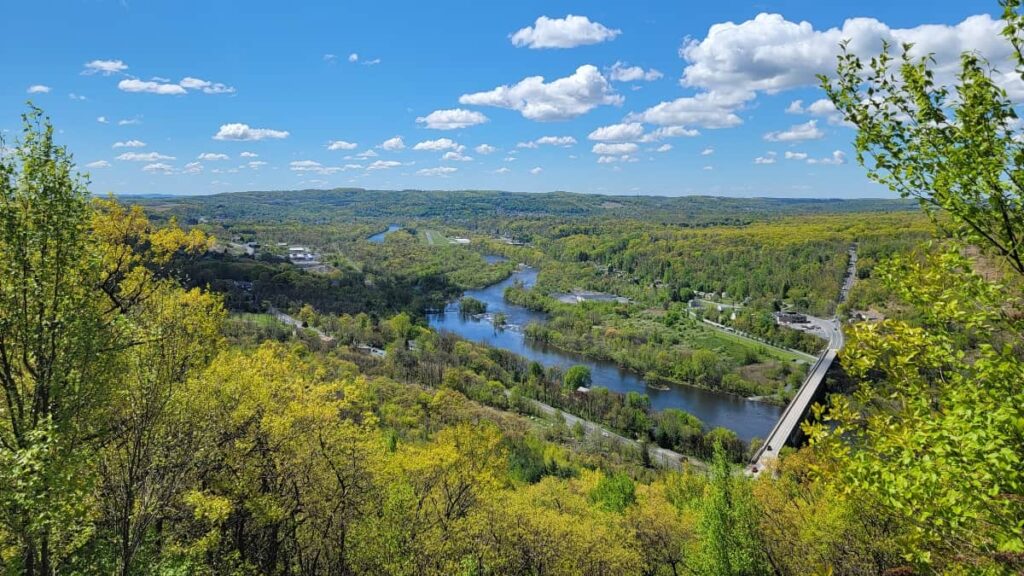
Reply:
x=129, y=144
x=144, y=157
x=707, y=151
x=559, y=99
x=837, y=157
x=192, y=168
x=768, y=158
x=395, y=143
x=205, y=85
x=366, y=154
x=158, y=168
x=536, y=170
x=313, y=166
x=502, y=170
x=795, y=155
x=452, y=119
x=485, y=149
x=102, y=119
x=383, y=165
x=439, y=145
x=770, y=53
x=249, y=155
x=129, y=122
x=238, y=131
x=663, y=148
x=823, y=108
x=38, y=89
x=341, y=145
x=560, y=141
x=98, y=164
x=705, y=110
x=606, y=149
x=456, y=156
x=150, y=86
x=567, y=32
x=211, y=156
x=439, y=171
x=620, y=72
x=669, y=132
x=353, y=57
x=614, y=159
x=257, y=164
x=105, y=67
x=807, y=131
x=618, y=132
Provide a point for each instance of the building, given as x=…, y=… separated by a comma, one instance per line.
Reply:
x=790, y=318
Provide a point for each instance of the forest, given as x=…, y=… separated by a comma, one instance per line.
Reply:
x=160, y=417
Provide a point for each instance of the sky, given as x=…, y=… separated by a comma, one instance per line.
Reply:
x=642, y=97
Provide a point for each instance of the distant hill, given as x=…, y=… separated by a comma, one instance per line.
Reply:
x=321, y=206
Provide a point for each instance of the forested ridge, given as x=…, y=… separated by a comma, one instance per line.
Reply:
x=153, y=421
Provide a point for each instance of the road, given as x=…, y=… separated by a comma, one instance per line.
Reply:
x=291, y=320
x=659, y=456
x=797, y=408
x=730, y=330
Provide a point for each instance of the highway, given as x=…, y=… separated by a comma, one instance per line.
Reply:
x=798, y=407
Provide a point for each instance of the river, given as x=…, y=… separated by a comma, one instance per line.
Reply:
x=747, y=418
x=378, y=238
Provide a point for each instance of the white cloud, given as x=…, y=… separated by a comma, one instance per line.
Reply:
x=330, y=58
x=795, y=155
x=771, y=54
x=606, y=149
x=192, y=168
x=664, y=148
x=567, y=32
x=439, y=171
x=706, y=110
x=144, y=157
x=456, y=156
x=823, y=108
x=536, y=170
x=38, y=89
x=383, y=165
x=807, y=131
x=614, y=159
x=249, y=155
x=256, y=164
x=502, y=170
x=313, y=166
x=669, y=132
x=129, y=122
x=105, y=67
x=211, y=156
x=768, y=158
x=560, y=141
x=205, y=85
x=364, y=155
x=618, y=132
x=238, y=131
x=129, y=144
x=707, y=151
x=395, y=143
x=341, y=145
x=101, y=119
x=559, y=99
x=709, y=168
x=353, y=57
x=152, y=87
x=837, y=157
x=74, y=96
x=452, y=119
x=98, y=164
x=485, y=149
x=439, y=144
x=620, y=72
x=158, y=167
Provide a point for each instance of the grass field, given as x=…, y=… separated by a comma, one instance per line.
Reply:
x=434, y=238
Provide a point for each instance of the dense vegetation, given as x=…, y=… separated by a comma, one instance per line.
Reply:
x=143, y=430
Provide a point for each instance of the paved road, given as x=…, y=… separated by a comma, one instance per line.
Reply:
x=291, y=320
x=729, y=329
x=796, y=410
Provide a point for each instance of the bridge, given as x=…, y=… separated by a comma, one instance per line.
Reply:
x=785, y=430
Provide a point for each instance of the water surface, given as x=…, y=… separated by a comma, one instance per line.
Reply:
x=747, y=418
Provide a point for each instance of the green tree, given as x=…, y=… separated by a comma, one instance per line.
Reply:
x=576, y=376
x=933, y=435
x=727, y=526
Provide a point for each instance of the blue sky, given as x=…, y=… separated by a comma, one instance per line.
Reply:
x=693, y=97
